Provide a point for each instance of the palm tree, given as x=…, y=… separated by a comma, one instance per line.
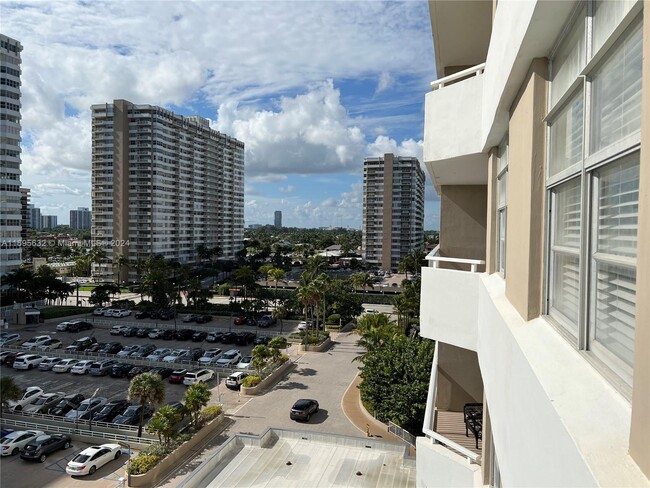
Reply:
x=8, y=391
x=316, y=265
x=144, y=389
x=121, y=261
x=276, y=274
x=361, y=280
x=375, y=329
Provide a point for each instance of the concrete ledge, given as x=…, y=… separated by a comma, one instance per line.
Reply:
x=164, y=467
x=269, y=381
x=316, y=348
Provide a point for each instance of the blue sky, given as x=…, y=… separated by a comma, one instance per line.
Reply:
x=310, y=87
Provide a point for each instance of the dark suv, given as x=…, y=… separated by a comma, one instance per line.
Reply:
x=111, y=410
x=81, y=344
x=67, y=403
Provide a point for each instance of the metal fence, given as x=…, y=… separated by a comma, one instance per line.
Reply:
x=54, y=420
x=405, y=435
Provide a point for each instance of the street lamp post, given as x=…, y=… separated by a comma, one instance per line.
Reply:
x=90, y=420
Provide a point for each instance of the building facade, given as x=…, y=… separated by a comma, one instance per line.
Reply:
x=49, y=221
x=393, y=210
x=278, y=219
x=34, y=217
x=163, y=184
x=10, y=197
x=537, y=138
x=80, y=218
x=24, y=212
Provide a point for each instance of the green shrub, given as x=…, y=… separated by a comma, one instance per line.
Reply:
x=283, y=359
x=142, y=464
x=251, y=381
x=334, y=319
x=56, y=312
x=211, y=412
x=333, y=327
x=312, y=340
x=158, y=450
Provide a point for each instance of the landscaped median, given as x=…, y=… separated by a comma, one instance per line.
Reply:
x=268, y=381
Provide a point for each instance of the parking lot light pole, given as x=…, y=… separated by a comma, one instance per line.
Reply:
x=90, y=420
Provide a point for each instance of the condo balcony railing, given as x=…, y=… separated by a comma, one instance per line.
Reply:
x=435, y=259
x=453, y=78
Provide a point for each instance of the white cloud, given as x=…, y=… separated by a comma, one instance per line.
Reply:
x=47, y=189
x=384, y=144
x=287, y=189
x=385, y=82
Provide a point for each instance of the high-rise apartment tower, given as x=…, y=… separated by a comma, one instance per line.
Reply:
x=393, y=210
x=163, y=184
x=80, y=218
x=278, y=219
x=537, y=138
x=10, y=202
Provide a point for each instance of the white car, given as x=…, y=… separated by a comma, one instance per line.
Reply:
x=177, y=355
x=121, y=313
x=198, y=376
x=304, y=325
x=155, y=334
x=30, y=396
x=127, y=351
x=64, y=366
x=50, y=345
x=229, y=358
x=210, y=356
x=118, y=329
x=8, y=339
x=109, y=312
x=82, y=367
x=48, y=363
x=13, y=442
x=63, y=326
x=34, y=342
x=99, y=311
x=235, y=380
x=92, y=458
x=159, y=354
x=245, y=363
x=28, y=361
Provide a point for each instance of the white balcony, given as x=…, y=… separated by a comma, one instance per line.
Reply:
x=449, y=302
x=453, y=139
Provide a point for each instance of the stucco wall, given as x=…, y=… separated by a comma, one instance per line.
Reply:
x=459, y=378
x=525, y=227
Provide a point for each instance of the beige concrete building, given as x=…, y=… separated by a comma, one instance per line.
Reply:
x=162, y=184
x=537, y=138
x=10, y=196
x=393, y=210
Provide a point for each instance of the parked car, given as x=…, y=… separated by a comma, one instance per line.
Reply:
x=9, y=339
x=303, y=409
x=130, y=332
x=86, y=408
x=30, y=396
x=210, y=356
x=95, y=347
x=111, y=410
x=154, y=334
x=177, y=355
x=121, y=313
x=304, y=325
x=229, y=358
x=143, y=351
x=199, y=336
x=241, y=320
x=244, y=338
x=162, y=371
x=127, y=351
x=141, y=315
x=92, y=458
x=78, y=325
x=67, y=403
x=213, y=337
x=118, y=329
x=121, y=370
x=251, y=321
x=10, y=358
x=142, y=332
x=189, y=318
x=62, y=327
x=64, y=366
x=34, y=342
x=228, y=337
x=235, y=380
x=167, y=314
x=28, y=361
x=50, y=345
x=48, y=363
x=167, y=334
x=261, y=340
x=195, y=353
x=99, y=311
x=198, y=376
x=267, y=321
x=82, y=367
x=131, y=416
x=136, y=370
x=37, y=449
x=203, y=319
x=44, y=402
x=111, y=348
x=177, y=376
x=81, y=344
x=13, y=442
x=184, y=334
x=159, y=354
x=245, y=363
x=109, y=312
x=102, y=368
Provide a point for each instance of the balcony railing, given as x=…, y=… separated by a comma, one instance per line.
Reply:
x=474, y=70
x=435, y=259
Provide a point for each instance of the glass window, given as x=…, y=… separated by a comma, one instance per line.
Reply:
x=569, y=59
x=502, y=201
x=566, y=131
x=607, y=15
x=616, y=92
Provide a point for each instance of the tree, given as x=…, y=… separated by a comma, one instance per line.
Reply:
x=146, y=388
x=163, y=423
x=375, y=330
x=121, y=261
x=361, y=280
x=395, y=381
x=22, y=279
x=8, y=391
x=265, y=270
x=197, y=396
x=276, y=274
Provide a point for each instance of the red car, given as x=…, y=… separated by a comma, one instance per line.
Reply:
x=177, y=376
x=240, y=320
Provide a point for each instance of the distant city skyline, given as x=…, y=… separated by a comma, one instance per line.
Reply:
x=307, y=119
